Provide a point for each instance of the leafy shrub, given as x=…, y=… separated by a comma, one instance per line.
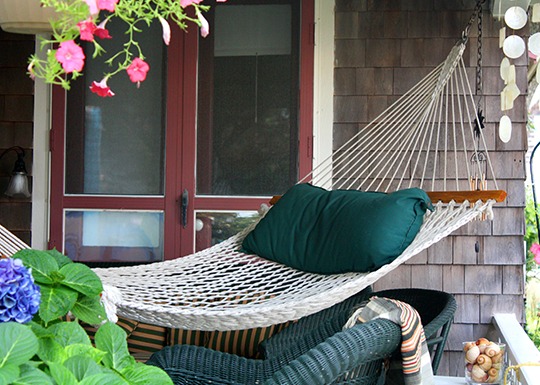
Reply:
x=51, y=350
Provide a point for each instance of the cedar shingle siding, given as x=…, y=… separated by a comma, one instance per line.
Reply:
x=382, y=48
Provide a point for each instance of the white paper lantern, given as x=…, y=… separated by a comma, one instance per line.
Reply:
x=505, y=129
x=515, y=17
x=513, y=46
x=534, y=43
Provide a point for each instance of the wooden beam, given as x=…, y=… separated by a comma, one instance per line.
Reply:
x=447, y=196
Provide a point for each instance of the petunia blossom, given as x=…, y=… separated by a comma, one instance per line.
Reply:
x=166, y=28
x=101, y=88
x=137, y=70
x=30, y=70
x=87, y=29
x=187, y=3
x=205, y=27
x=108, y=5
x=71, y=56
x=101, y=31
x=92, y=4
x=535, y=249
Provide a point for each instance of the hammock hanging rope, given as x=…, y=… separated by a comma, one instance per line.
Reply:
x=419, y=141
x=221, y=288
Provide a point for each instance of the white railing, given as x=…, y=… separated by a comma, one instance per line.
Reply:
x=521, y=351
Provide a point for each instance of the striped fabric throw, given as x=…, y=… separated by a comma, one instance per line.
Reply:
x=414, y=368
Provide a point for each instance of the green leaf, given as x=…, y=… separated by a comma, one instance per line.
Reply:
x=95, y=354
x=51, y=351
x=141, y=374
x=41, y=263
x=61, y=374
x=56, y=302
x=39, y=331
x=60, y=258
x=68, y=333
x=32, y=376
x=81, y=278
x=9, y=373
x=17, y=344
x=111, y=339
x=82, y=366
x=89, y=310
x=104, y=378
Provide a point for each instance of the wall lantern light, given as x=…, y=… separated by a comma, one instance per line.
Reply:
x=18, y=184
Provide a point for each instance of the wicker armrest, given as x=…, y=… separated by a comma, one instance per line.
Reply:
x=354, y=354
x=188, y=364
x=309, y=331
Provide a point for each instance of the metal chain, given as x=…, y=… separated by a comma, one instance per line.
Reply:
x=479, y=59
x=477, y=11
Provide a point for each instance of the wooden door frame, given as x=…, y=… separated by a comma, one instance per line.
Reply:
x=181, y=113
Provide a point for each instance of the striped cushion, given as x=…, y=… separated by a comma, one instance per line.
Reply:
x=243, y=343
x=141, y=337
x=186, y=337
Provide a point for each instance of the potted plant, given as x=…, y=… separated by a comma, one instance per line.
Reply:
x=25, y=16
x=39, y=346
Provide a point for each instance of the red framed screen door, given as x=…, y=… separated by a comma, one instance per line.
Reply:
x=223, y=124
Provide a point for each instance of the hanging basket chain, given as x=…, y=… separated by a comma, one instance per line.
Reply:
x=477, y=11
x=479, y=60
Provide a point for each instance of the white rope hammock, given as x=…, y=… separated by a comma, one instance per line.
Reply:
x=418, y=141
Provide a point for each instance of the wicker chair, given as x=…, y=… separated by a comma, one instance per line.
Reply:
x=312, y=350
x=353, y=356
x=436, y=309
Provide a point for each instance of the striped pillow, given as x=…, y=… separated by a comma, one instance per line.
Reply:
x=141, y=337
x=243, y=343
x=186, y=337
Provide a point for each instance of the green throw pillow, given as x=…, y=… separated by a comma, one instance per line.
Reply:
x=327, y=232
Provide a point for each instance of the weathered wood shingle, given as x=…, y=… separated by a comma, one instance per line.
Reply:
x=481, y=263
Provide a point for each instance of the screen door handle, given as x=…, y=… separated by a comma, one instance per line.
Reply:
x=184, y=205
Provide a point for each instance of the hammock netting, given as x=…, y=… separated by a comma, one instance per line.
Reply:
x=428, y=139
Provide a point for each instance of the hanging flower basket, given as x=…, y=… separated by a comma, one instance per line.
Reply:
x=25, y=16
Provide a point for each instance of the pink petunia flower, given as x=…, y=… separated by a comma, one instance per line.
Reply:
x=205, y=27
x=187, y=3
x=137, y=71
x=101, y=88
x=87, y=29
x=166, y=30
x=101, y=31
x=92, y=4
x=108, y=5
x=535, y=249
x=71, y=56
x=30, y=70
